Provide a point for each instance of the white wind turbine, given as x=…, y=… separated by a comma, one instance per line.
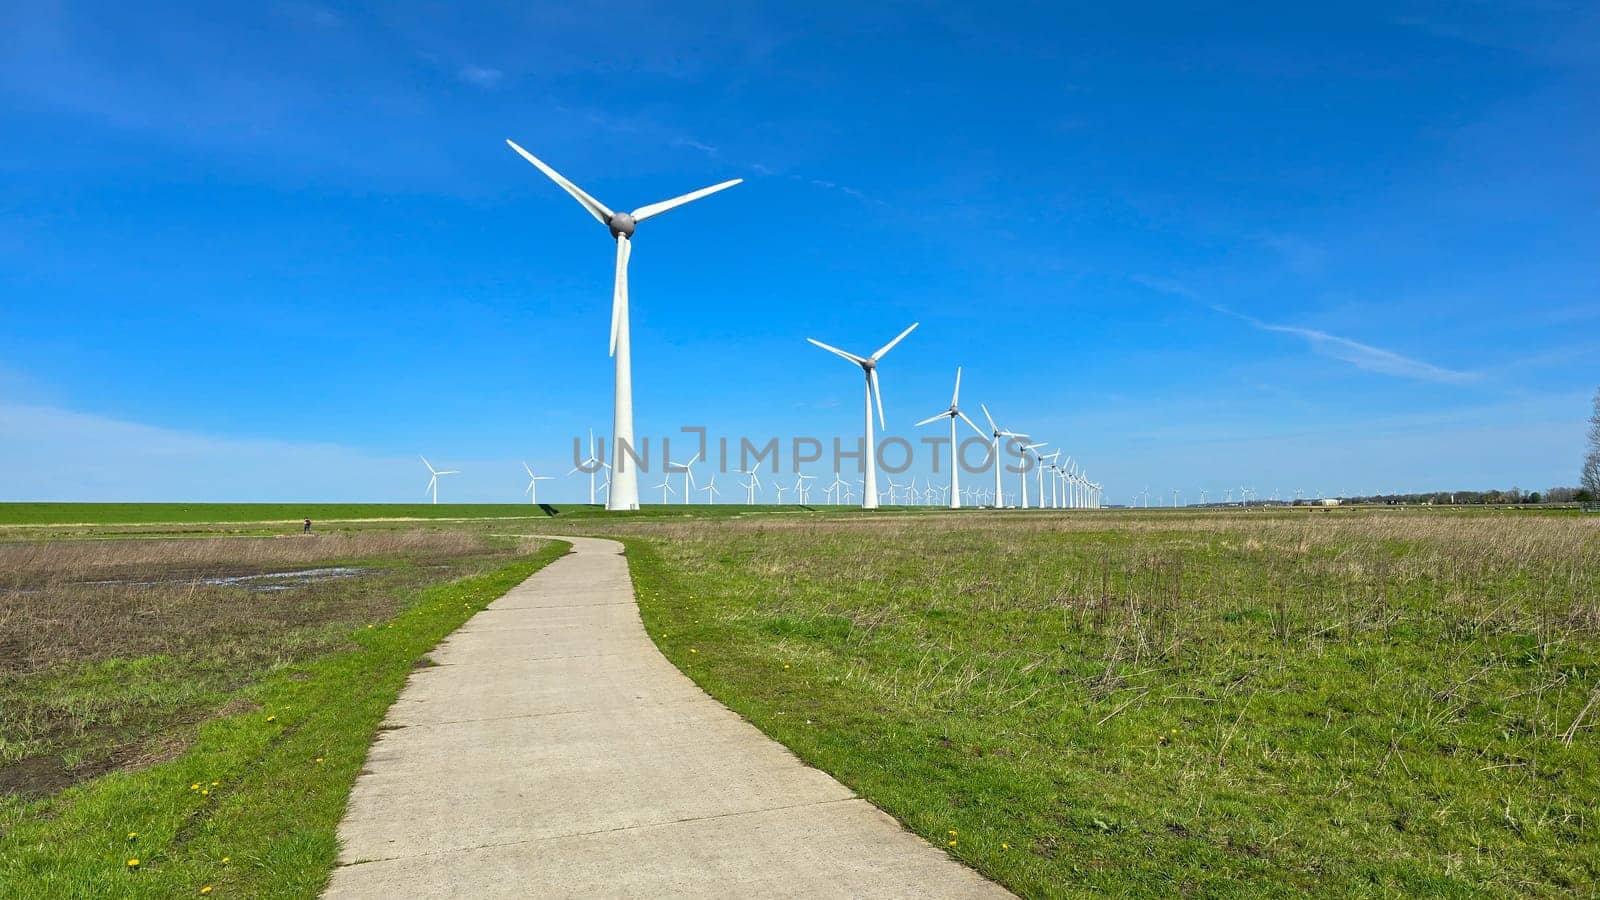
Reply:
x=869, y=366
x=433, y=483
x=1022, y=477
x=625, y=493
x=666, y=487
x=687, y=468
x=1052, y=456
x=995, y=434
x=532, y=490
x=592, y=465
x=802, y=488
x=751, y=486
x=834, y=490
x=953, y=413
x=711, y=489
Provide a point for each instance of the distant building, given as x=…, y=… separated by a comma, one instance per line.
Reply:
x=1330, y=501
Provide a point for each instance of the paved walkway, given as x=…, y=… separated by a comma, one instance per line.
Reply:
x=555, y=752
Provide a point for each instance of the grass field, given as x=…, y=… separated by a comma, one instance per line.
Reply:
x=203, y=705
x=1366, y=703
x=1346, y=702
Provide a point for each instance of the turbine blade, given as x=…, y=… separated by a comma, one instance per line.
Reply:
x=530, y=471
x=877, y=394
x=992, y=426
x=964, y=418
x=890, y=346
x=595, y=207
x=619, y=294
x=656, y=209
x=426, y=463
x=837, y=352
x=933, y=418
x=955, y=398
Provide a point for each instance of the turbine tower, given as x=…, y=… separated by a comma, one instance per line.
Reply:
x=953, y=413
x=433, y=483
x=624, y=493
x=869, y=366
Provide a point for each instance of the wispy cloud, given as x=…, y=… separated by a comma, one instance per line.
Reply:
x=1363, y=356
x=761, y=169
x=482, y=76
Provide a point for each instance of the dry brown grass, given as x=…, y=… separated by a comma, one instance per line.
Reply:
x=31, y=562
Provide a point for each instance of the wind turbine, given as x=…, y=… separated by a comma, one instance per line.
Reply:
x=533, y=482
x=751, y=486
x=953, y=413
x=1054, y=481
x=666, y=487
x=802, y=489
x=592, y=465
x=1022, y=477
x=625, y=493
x=433, y=483
x=869, y=366
x=995, y=434
x=711, y=489
x=688, y=474
x=834, y=491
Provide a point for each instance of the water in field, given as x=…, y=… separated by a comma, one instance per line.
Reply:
x=264, y=581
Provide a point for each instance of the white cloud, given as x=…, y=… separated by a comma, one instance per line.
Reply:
x=1363, y=356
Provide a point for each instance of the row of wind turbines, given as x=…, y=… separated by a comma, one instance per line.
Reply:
x=1069, y=486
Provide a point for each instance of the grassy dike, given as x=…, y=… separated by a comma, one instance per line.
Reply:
x=252, y=808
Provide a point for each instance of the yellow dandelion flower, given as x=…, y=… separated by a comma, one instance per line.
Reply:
x=226, y=860
x=215, y=783
x=272, y=718
x=133, y=864
x=319, y=759
x=195, y=786
x=953, y=832
x=1004, y=846
x=693, y=650
x=952, y=843
x=132, y=835
x=786, y=665
x=205, y=890
x=205, y=792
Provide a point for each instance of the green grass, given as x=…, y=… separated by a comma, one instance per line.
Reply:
x=1351, y=705
x=16, y=514
x=276, y=766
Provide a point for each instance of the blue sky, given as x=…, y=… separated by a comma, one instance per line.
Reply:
x=274, y=253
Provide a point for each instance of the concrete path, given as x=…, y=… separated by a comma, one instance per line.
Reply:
x=554, y=752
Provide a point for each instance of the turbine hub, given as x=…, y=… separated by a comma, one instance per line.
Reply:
x=621, y=223
x=869, y=364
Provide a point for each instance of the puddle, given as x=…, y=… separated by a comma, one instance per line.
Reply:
x=265, y=581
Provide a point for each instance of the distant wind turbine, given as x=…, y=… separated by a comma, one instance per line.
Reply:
x=953, y=413
x=433, y=483
x=625, y=493
x=995, y=434
x=532, y=490
x=869, y=366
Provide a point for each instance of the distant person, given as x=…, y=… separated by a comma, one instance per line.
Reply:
x=307, y=528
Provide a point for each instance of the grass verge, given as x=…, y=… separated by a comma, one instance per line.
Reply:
x=252, y=808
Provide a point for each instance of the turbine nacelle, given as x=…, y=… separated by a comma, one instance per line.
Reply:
x=621, y=225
